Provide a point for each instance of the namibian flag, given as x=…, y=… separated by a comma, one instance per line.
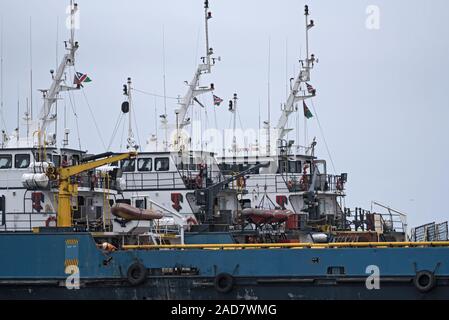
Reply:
x=81, y=78
x=217, y=100
x=307, y=113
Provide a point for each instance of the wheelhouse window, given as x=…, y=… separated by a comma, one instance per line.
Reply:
x=128, y=165
x=144, y=164
x=41, y=157
x=75, y=159
x=162, y=164
x=282, y=166
x=22, y=161
x=57, y=160
x=294, y=166
x=5, y=161
x=141, y=204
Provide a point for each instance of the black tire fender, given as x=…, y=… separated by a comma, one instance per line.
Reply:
x=224, y=282
x=425, y=281
x=137, y=273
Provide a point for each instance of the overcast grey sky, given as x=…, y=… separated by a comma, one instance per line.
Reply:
x=383, y=95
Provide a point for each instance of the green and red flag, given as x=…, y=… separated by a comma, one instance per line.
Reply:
x=307, y=113
x=81, y=78
x=217, y=100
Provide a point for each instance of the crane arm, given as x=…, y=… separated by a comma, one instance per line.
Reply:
x=67, y=188
x=65, y=173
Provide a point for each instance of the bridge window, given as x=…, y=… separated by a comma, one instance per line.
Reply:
x=127, y=201
x=141, y=203
x=22, y=161
x=5, y=161
x=75, y=159
x=128, y=165
x=144, y=164
x=294, y=166
x=57, y=160
x=245, y=203
x=282, y=166
x=162, y=164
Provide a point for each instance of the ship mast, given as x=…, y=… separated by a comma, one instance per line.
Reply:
x=4, y=134
x=302, y=77
x=194, y=89
x=233, y=109
x=51, y=95
x=127, y=108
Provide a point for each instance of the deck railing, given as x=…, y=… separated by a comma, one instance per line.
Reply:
x=25, y=221
x=359, y=219
x=168, y=180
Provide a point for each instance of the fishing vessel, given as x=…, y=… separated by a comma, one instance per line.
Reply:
x=27, y=196
x=298, y=181
x=222, y=256
x=168, y=175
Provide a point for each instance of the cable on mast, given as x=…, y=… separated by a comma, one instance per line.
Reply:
x=268, y=124
x=31, y=70
x=1, y=77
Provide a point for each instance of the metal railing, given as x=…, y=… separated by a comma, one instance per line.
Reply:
x=169, y=180
x=365, y=220
x=430, y=232
x=286, y=183
x=97, y=180
x=324, y=182
x=25, y=221
x=334, y=245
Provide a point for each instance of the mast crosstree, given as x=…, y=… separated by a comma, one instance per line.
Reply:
x=194, y=90
x=51, y=95
x=302, y=77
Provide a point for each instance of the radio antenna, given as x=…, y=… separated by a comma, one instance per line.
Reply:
x=1, y=74
x=31, y=70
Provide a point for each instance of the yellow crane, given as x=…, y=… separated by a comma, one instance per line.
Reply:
x=68, y=188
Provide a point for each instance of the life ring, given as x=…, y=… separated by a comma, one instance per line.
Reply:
x=137, y=273
x=241, y=182
x=224, y=283
x=50, y=220
x=425, y=281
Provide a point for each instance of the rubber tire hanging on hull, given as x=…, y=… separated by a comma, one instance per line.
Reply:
x=424, y=281
x=224, y=283
x=137, y=273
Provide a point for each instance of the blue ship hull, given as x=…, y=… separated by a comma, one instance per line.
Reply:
x=182, y=288
x=33, y=266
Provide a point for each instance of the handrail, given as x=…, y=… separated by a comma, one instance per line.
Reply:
x=291, y=245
